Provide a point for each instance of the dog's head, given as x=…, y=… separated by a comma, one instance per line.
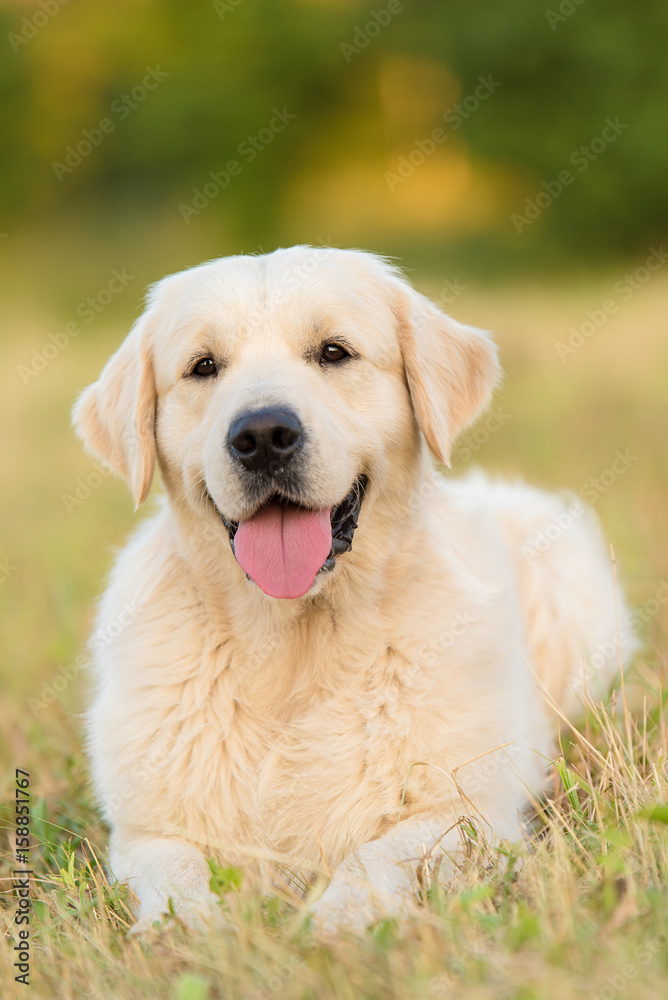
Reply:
x=277, y=392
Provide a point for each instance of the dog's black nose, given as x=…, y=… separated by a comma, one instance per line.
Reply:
x=265, y=440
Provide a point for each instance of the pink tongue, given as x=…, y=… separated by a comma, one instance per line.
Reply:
x=282, y=548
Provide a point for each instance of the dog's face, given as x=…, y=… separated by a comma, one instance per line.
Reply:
x=277, y=391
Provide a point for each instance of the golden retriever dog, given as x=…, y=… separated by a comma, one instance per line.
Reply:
x=320, y=653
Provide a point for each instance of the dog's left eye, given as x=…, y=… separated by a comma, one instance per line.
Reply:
x=334, y=352
x=204, y=368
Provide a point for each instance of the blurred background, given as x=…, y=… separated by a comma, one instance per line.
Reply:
x=511, y=156
x=362, y=85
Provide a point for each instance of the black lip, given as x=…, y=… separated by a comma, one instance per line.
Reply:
x=343, y=520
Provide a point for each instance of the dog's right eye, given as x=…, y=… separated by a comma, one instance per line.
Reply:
x=204, y=368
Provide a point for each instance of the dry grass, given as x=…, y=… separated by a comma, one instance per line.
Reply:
x=580, y=910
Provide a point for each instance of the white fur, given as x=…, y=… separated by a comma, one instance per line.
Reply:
x=352, y=727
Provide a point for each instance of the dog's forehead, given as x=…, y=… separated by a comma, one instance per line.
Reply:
x=282, y=295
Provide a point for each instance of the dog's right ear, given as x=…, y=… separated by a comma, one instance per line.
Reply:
x=115, y=417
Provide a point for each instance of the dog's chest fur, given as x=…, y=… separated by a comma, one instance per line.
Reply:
x=279, y=746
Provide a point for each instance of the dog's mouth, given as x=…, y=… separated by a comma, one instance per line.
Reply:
x=284, y=546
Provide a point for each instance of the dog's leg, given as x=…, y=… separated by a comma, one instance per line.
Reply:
x=158, y=870
x=381, y=878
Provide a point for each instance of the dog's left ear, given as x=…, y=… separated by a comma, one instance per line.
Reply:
x=451, y=369
x=115, y=417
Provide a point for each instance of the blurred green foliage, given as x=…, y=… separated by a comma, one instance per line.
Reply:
x=365, y=81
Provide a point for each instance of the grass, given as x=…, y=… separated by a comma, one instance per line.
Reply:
x=581, y=909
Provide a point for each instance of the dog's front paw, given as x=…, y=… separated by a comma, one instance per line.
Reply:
x=153, y=922
x=341, y=908
x=201, y=915
x=365, y=889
